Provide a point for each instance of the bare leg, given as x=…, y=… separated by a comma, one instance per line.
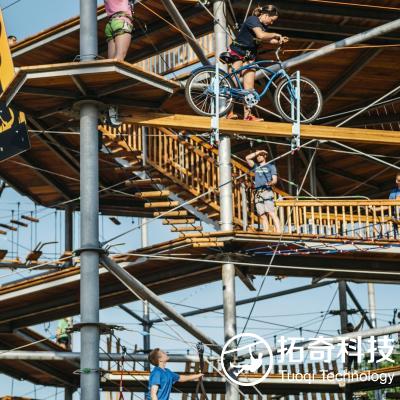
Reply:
x=276, y=221
x=122, y=43
x=111, y=49
x=248, y=84
x=265, y=223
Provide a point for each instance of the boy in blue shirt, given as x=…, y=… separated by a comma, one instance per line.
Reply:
x=266, y=176
x=161, y=378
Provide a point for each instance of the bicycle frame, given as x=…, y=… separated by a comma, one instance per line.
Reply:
x=239, y=90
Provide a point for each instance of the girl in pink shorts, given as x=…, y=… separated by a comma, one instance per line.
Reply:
x=119, y=27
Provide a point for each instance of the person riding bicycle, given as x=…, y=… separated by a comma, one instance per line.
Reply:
x=119, y=27
x=243, y=50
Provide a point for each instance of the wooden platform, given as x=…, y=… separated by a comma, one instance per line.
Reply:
x=51, y=88
x=274, y=384
x=37, y=299
x=264, y=129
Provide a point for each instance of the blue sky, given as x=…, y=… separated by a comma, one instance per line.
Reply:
x=27, y=17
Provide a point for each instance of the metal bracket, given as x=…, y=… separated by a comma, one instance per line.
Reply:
x=296, y=130
x=99, y=250
x=103, y=328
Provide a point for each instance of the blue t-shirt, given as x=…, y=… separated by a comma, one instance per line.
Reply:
x=394, y=194
x=246, y=36
x=263, y=175
x=164, y=379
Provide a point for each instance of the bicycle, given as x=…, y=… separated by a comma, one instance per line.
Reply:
x=201, y=96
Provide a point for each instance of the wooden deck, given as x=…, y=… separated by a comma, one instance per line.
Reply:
x=275, y=383
x=36, y=300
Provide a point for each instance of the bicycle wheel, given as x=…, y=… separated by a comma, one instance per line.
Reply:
x=199, y=92
x=310, y=96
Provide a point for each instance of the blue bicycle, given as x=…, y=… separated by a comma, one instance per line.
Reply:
x=201, y=94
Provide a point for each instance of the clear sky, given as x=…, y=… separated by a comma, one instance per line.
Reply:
x=306, y=310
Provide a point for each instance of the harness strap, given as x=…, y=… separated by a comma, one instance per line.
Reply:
x=121, y=383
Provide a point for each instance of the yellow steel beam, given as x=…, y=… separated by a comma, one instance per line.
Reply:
x=198, y=123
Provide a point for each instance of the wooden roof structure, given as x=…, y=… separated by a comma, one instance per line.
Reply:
x=348, y=79
x=58, y=373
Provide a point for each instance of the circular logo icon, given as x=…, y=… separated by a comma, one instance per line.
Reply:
x=246, y=357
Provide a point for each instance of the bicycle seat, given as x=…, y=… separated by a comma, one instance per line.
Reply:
x=227, y=58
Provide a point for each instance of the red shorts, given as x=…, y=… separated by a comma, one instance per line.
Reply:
x=246, y=57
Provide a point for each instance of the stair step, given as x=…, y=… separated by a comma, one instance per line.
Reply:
x=209, y=244
x=186, y=228
x=154, y=194
x=145, y=182
x=182, y=213
x=162, y=204
x=179, y=221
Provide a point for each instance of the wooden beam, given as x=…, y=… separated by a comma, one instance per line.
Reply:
x=348, y=176
x=271, y=129
x=350, y=72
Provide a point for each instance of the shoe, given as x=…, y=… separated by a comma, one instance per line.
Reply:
x=253, y=118
x=232, y=115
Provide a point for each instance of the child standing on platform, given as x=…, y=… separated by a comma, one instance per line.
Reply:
x=119, y=27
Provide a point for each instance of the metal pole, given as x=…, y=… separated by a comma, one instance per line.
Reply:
x=73, y=356
x=144, y=293
x=313, y=173
x=372, y=304
x=244, y=206
x=252, y=299
x=68, y=229
x=330, y=48
x=145, y=242
x=68, y=393
x=226, y=210
x=343, y=306
x=146, y=331
x=89, y=187
x=360, y=309
x=187, y=33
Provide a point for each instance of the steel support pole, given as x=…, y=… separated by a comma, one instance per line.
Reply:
x=343, y=306
x=89, y=191
x=145, y=242
x=68, y=229
x=372, y=303
x=68, y=393
x=187, y=33
x=313, y=174
x=72, y=357
x=226, y=204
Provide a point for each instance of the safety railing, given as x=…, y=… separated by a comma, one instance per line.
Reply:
x=177, y=58
x=192, y=164
x=356, y=219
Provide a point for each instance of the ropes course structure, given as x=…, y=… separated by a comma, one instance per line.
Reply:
x=116, y=139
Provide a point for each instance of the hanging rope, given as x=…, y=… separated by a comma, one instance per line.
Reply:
x=200, y=384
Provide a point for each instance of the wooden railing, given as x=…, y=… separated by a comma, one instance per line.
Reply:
x=356, y=219
x=177, y=58
x=192, y=164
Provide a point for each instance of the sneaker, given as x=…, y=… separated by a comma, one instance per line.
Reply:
x=253, y=118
